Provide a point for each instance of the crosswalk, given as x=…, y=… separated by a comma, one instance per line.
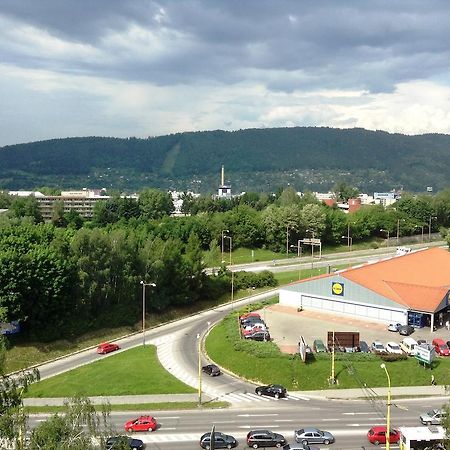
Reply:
x=167, y=355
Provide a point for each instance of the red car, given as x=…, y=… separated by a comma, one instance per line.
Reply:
x=377, y=435
x=143, y=423
x=441, y=347
x=250, y=314
x=107, y=347
x=251, y=330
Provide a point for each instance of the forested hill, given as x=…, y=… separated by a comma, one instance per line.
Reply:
x=254, y=159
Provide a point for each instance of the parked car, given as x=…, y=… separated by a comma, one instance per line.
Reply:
x=258, y=336
x=448, y=344
x=378, y=347
x=251, y=320
x=433, y=417
x=314, y=436
x=265, y=438
x=441, y=347
x=142, y=423
x=254, y=325
x=249, y=314
x=299, y=446
x=119, y=441
x=406, y=330
x=318, y=346
x=273, y=390
x=107, y=347
x=363, y=347
x=250, y=330
x=377, y=435
x=394, y=327
x=408, y=345
x=221, y=440
x=392, y=347
x=212, y=370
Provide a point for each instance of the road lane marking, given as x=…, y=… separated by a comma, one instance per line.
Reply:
x=256, y=415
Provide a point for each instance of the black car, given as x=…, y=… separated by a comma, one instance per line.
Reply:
x=406, y=330
x=118, y=441
x=251, y=320
x=220, y=440
x=212, y=370
x=258, y=336
x=363, y=347
x=274, y=390
x=265, y=438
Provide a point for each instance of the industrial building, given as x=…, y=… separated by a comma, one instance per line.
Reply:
x=412, y=289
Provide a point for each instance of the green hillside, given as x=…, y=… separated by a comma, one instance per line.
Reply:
x=254, y=159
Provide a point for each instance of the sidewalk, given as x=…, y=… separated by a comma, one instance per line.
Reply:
x=328, y=394
x=401, y=391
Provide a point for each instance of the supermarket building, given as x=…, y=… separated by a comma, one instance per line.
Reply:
x=409, y=289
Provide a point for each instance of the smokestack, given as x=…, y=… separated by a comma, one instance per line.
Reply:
x=223, y=177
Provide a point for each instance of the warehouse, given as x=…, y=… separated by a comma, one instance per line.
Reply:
x=409, y=289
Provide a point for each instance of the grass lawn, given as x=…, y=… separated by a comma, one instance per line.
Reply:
x=133, y=372
x=296, y=375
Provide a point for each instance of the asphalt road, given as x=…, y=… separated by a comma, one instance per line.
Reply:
x=348, y=421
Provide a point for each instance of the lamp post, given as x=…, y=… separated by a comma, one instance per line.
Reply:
x=143, y=308
x=231, y=269
x=287, y=241
x=388, y=415
x=223, y=231
x=386, y=231
x=398, y=229
x=299, y=255
x=349, y=241
x=429, y=227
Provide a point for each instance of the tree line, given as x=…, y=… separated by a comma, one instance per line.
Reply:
x=65, y=277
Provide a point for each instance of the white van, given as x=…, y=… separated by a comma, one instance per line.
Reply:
x=408, y=345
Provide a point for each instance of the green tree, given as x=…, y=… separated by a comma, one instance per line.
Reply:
x=288, y=197
x=12, y=413
x=313, y=218
x=342, y=191
x=25, y=207
x=155, y=204
x=78, y=427
x=58, y=217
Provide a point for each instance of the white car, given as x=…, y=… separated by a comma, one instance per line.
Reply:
x=378, y=347
x=392, y=347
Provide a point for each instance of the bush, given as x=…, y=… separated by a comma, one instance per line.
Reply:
x=391, y=357
x=350, y=357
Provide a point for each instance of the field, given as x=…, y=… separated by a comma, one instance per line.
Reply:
x=133, y=372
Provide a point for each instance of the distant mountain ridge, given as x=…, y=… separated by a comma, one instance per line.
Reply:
x=255, y=159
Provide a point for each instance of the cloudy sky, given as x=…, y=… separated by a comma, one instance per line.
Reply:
x=144, y=68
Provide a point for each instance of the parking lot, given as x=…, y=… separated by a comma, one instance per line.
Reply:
x=286, y=325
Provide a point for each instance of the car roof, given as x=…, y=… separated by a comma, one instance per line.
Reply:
x=392, y=343
x=309, y=429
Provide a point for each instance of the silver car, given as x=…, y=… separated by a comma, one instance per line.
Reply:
x=433, y=417
x=313, y=436
x=299, y=447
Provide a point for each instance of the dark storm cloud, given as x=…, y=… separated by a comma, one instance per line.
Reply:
x=283, y=45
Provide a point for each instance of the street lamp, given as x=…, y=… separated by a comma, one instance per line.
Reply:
x=429, y=228
x=299, y=255
x=386, y=231
x=388, y=415
x=287, y=241
x=398, y=229
x=223, y=231
x=231, y=269
x=349, y=241
x=143, y=308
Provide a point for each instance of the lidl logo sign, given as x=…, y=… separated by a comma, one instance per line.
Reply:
x=337, y=288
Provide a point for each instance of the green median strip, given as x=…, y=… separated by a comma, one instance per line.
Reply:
x=168, y=406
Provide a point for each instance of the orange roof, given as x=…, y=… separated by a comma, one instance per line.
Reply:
x=419, y=280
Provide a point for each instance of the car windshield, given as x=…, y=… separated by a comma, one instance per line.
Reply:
x=395, y=347
x=444, y=347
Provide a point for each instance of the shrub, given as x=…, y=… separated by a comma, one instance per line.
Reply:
x=391, y=357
